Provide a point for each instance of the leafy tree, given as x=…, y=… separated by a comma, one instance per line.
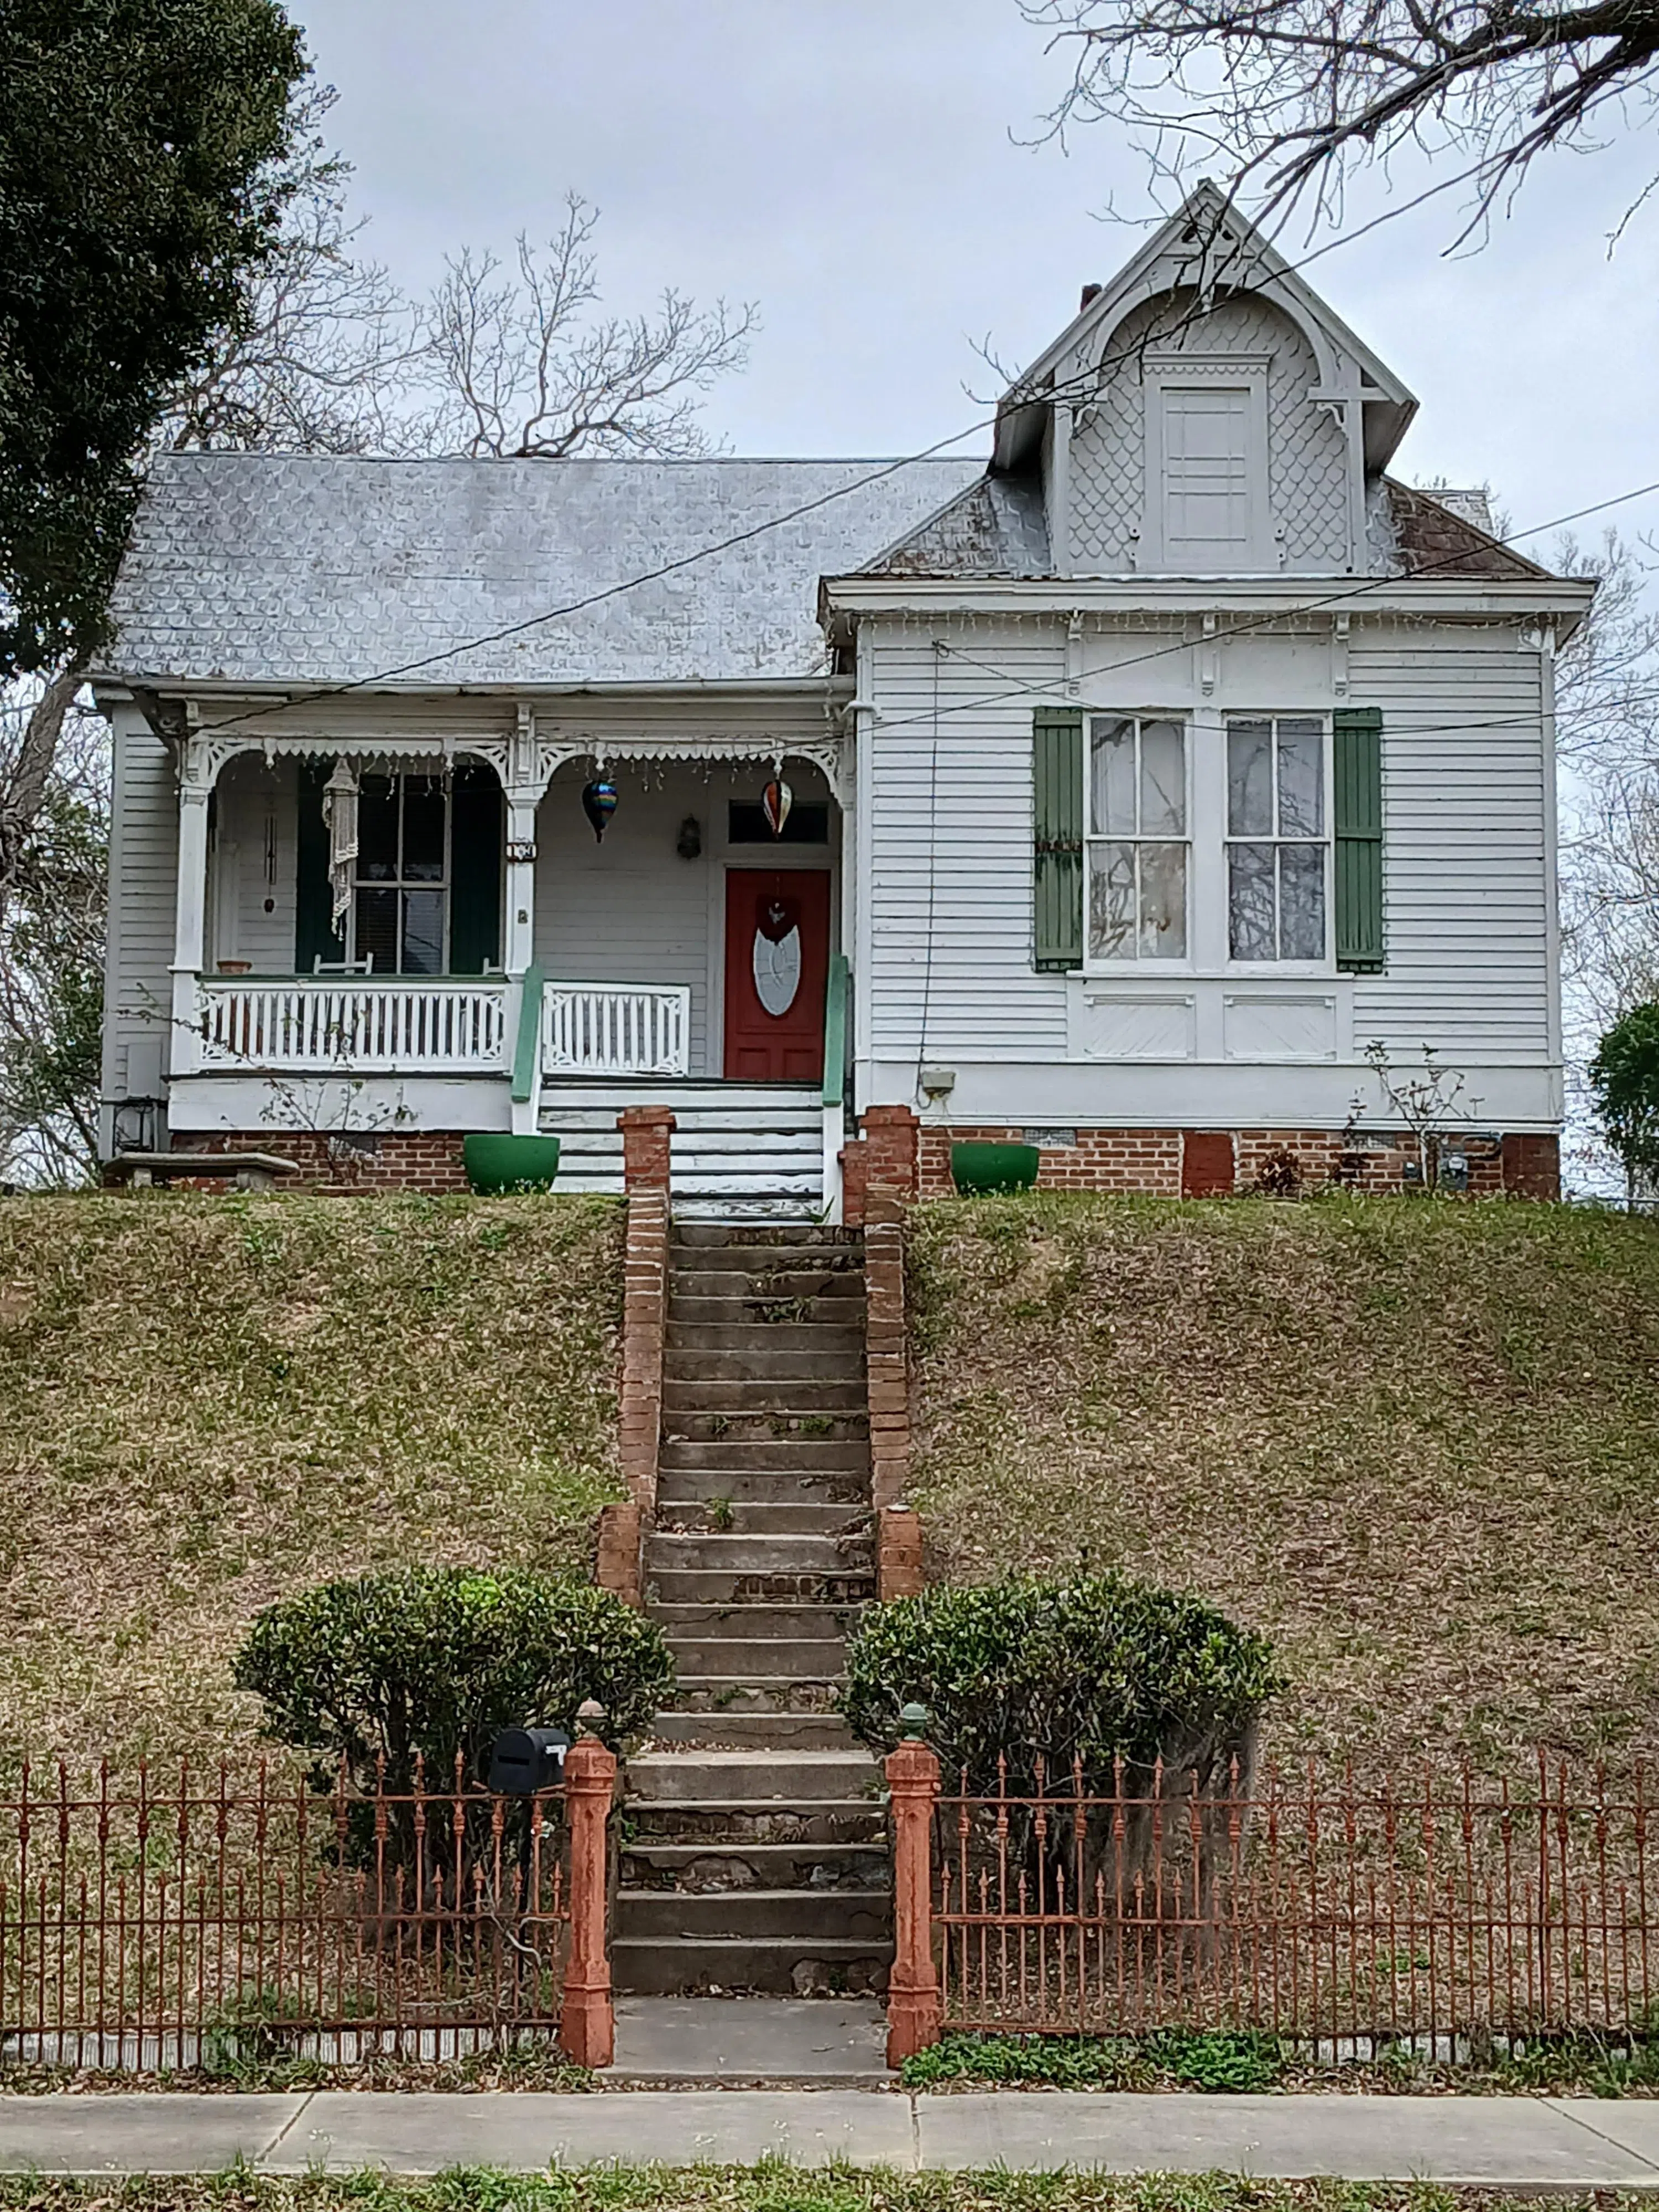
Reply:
x=1625, y=1084
x=136, y=189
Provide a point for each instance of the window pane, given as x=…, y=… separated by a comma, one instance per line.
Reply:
x=377, y=930
x=377, y=831
x=1112, y=748
x=1301, y=901
x=1112, y=902
x=1301, y=777
x=1164, y=902
x=1163, y=780
x=423, y=933
x=1250, y=779
x=423, y=830
x=1250, y=902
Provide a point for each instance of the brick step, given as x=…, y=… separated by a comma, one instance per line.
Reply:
x=763, y=1310
x=771, y=1517
x=755, y=1731
x=764, y=1363
x=769, y=1280
x=750, y=1820
x=779, y=1965
x=746, y=1777
x=689, y=1869
x=702, y=1655
x=684, y=1620
x=832, y=1485
x=784, y=1455
x=807, y=1916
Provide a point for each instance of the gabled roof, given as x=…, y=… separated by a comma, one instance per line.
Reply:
x=1207, y=245
x=268, y=570
x=1433, y=540
x=995, y=528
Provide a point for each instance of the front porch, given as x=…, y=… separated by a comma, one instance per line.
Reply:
x=472, y=956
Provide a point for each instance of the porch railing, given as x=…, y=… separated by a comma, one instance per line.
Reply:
x=325, y=1026
x=616, y=1029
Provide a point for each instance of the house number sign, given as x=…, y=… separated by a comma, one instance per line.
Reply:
x=520, y=849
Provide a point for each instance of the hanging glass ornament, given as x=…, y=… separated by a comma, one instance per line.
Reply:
x=776, y=800
x=599, y=804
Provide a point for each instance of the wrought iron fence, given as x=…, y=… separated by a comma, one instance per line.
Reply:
x=203, y=1922
x=1347, y=1915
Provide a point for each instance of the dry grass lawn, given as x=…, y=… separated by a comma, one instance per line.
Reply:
x=206, y=1403
x=1417, y=1443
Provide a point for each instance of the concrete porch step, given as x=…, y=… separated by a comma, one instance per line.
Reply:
x=745, y=1731
x=684, y=1621
x=840, y=1486
x=774, y=1966
x=808, y=1246
x=755, y=1692
x=751, y=1777
x=731, y=1551
x=784, y=1455
x=679, y=1869
x=769, y=1518
x=818, y=1340
x=725, y=1821
x=771, y=1280
x=669, y=1586
x=781, y=1399
x=764, y=1309
x=707, y=1654
x=682, y=1364
x=808, y=1916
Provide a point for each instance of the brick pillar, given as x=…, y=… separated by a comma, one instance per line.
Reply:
x=898, y=1552
x=888, y=1381
x=586, y=2022
x=855, y=1182
x=645, y=1131
x=914, y=2007
x=891, y=1133
x=645, y=1316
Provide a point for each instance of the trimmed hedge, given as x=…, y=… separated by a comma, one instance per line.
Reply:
x=439, y=1660
x=1098, y=1668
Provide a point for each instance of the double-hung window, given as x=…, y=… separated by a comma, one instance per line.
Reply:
x=1137, y=838
x=1278, y=848
x=400, y=911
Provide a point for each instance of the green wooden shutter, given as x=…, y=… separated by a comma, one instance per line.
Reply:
x=474, y=867
x=313, y=932
x=1357, y=733
x=1057, y=838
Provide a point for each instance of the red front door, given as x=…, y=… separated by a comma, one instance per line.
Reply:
x=777, y=962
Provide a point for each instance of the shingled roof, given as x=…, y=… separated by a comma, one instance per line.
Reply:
x=1433, y=541
x=263, y=569
x=996, y=527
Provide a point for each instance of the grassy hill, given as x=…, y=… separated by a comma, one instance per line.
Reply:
x=1417, y=1442
x=207, y=1402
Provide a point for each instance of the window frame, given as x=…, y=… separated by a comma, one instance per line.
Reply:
x=1135, y=964
x=400, y=884
x=1325, y=843
x=1164, y=373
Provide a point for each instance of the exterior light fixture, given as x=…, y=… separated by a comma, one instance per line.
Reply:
x=689, y=843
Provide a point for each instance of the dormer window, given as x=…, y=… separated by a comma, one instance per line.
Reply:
x=1205, y=510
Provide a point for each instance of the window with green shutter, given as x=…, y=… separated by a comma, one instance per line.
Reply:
x=1357, y=746
x=1057, y=838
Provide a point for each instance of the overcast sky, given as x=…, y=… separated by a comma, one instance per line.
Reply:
x=855, y=167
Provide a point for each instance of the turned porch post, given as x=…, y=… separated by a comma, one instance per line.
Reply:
x=525, y=783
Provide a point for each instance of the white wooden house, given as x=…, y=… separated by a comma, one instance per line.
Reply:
x=1141, y=781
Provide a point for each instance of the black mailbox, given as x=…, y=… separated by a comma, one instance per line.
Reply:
x=525, y=1760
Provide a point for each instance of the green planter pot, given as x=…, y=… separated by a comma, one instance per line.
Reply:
x=979, y=1169
x=497, y=1163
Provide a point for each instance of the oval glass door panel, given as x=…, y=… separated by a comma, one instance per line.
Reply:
x=777, y=971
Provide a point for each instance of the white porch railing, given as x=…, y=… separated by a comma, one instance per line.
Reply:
x=616, y=1029
x=328, y=1027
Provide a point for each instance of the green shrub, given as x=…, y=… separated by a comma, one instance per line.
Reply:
x=1098, y=1668
x=439, y=1660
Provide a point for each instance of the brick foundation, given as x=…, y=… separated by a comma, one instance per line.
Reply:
x=393, y=1159
x=1212, y=1163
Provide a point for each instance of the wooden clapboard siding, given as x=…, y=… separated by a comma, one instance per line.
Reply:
x=1467, y=914
x=144, y=862
x=949, y=848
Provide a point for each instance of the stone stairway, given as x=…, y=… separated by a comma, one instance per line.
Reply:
x=755, y=1857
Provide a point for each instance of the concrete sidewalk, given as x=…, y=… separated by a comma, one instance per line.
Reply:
x=1519, y=2142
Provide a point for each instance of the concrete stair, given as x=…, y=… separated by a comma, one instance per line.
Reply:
x=752, y=1150
x=756, y=1854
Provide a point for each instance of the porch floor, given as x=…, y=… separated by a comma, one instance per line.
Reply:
x=740, y=1150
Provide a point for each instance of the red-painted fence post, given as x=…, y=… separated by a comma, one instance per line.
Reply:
x=586, y=2023
x=914, y=2007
